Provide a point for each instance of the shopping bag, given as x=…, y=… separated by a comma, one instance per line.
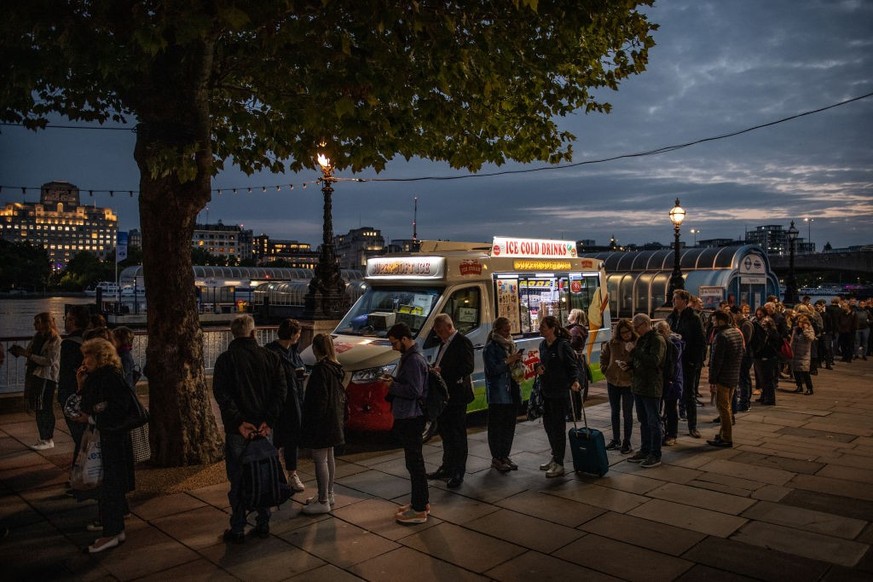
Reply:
x=142, y=450
x=87, y=471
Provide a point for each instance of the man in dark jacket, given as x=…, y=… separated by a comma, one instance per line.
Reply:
x=406, y=392
x=454, y=362
x=724, y=373
x=685, y=321
x=249, y=387
x=647, y=372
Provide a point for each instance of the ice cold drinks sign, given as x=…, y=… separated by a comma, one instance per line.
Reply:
x=533, y=248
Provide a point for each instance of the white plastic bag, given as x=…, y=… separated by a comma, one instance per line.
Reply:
x=87, y=471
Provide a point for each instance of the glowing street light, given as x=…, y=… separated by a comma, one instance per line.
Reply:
x=790, y=281
x=677, y=215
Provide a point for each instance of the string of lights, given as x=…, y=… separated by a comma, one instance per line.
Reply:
x=290, y=187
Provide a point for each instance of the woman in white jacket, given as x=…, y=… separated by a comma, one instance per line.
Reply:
x=43, y=356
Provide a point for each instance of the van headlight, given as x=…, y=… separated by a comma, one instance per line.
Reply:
x=369, y=375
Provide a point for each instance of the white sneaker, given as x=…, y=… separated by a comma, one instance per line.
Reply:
x=314, y=507
x=43, y=445
x=295, y=483
x=556, y=471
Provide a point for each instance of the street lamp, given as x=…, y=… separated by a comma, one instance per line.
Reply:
x=809, y=222
x=695, y=232
x=790, y=281
x=326, y=296
x=677, y=215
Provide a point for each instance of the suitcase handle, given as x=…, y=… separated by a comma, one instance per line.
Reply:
x=573, y=411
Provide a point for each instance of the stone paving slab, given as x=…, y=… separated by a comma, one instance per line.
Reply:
x=642, y=532
x=622, y=560
x=463, y=547
x=801, y=543
x=806, y=519
x=523, y=530
x=755, y=561
x=687, y=517
x=533, y=566
x=702, y=498
x=841, y=487
x=408, y=565
x=338, y=542
x=829, y=503
x=264, y=560
x=551, y=508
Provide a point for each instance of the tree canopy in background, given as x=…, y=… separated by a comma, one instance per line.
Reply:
x=263, y=82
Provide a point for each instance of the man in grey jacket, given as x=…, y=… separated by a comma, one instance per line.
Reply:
x=724, y=373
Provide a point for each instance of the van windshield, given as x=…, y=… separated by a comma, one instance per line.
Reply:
x=381, y=307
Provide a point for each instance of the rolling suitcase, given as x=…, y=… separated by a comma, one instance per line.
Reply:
x=588, y=447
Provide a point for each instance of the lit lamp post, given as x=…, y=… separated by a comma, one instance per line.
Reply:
x=809, y=222
x=790, y=281
x=326, y=296
x=695, y=232
x=677, y=215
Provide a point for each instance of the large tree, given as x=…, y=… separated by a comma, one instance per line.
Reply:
x=262, y=82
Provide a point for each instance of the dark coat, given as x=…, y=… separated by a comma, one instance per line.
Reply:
x=287, y=430
x=324, y=407
x=688, y=325
x=647, y=365
x=249, y=385
x=561, y=368
x=71, y=359
x=105, y=397
x=456, y=366
x=727, y=357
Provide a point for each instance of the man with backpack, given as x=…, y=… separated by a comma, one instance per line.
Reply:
x=250, y=389
x=454, y=362
x=406, y=392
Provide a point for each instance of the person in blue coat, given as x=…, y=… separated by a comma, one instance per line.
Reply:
x=503, y=371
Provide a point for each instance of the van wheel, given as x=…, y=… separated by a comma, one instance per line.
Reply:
x=430, y=429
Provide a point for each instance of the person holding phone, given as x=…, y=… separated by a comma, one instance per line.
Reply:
x=614, y=356
x=504, y=371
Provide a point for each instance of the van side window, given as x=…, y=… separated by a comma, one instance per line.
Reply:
x=465, y=307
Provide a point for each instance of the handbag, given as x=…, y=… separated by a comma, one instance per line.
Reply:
x=139, y=438
x=136, y=416
x=785, y=352
x=535, y=403
x=87, y=472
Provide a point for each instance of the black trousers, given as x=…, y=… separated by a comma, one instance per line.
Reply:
x=501, y=429
x=452, y=427
x=555, y=424
x=408, y=432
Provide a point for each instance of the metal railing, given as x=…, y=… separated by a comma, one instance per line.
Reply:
x=215, y=341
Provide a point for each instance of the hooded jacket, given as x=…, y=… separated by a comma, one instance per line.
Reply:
x=324, y=407
x=249, y=385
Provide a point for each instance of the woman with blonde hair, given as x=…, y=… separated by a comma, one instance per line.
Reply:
x=322, y=425
x=105, y=404
x=43, y=355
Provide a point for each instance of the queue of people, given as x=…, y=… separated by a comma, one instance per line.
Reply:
x=652, y=369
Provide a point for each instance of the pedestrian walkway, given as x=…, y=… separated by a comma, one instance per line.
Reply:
x=793, y=500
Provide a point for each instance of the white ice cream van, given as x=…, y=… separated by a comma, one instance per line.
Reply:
x=521, y=279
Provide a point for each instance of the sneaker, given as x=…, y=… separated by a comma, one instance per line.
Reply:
x=315, y=507
x=500, y=466
x=408, y=506
x=94, y=526
x=651, y=461
x=42, y=445
x=295, y=483
x=638, y=458
x=512, y=466
x=262, y=530
x=669, y=441
x=718, y=442
x=547, y=466
x=613, y=446
x=626, y=448
x=331, y=499
x=233, y=537
x=411, y=517
x=556, y=471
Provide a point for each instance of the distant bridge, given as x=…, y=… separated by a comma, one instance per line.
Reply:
x=849, y=261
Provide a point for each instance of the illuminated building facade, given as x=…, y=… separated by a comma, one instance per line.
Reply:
x=60, y=224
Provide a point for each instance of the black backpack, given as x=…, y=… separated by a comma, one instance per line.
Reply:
x=437, y=396
x=263, y=480
x=670, y=363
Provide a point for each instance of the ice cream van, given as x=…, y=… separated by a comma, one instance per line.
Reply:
x=521, y=279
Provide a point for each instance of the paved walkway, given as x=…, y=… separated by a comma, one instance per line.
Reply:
x=792, y=501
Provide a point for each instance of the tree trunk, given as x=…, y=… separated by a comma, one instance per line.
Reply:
x=174, y=155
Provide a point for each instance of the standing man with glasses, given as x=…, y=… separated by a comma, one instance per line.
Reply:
x=685, y=321
x=406, y=392
x=647, y=370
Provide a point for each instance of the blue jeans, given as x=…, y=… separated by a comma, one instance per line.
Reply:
x=650, y=424
x=234, y=445
x=621, y=405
